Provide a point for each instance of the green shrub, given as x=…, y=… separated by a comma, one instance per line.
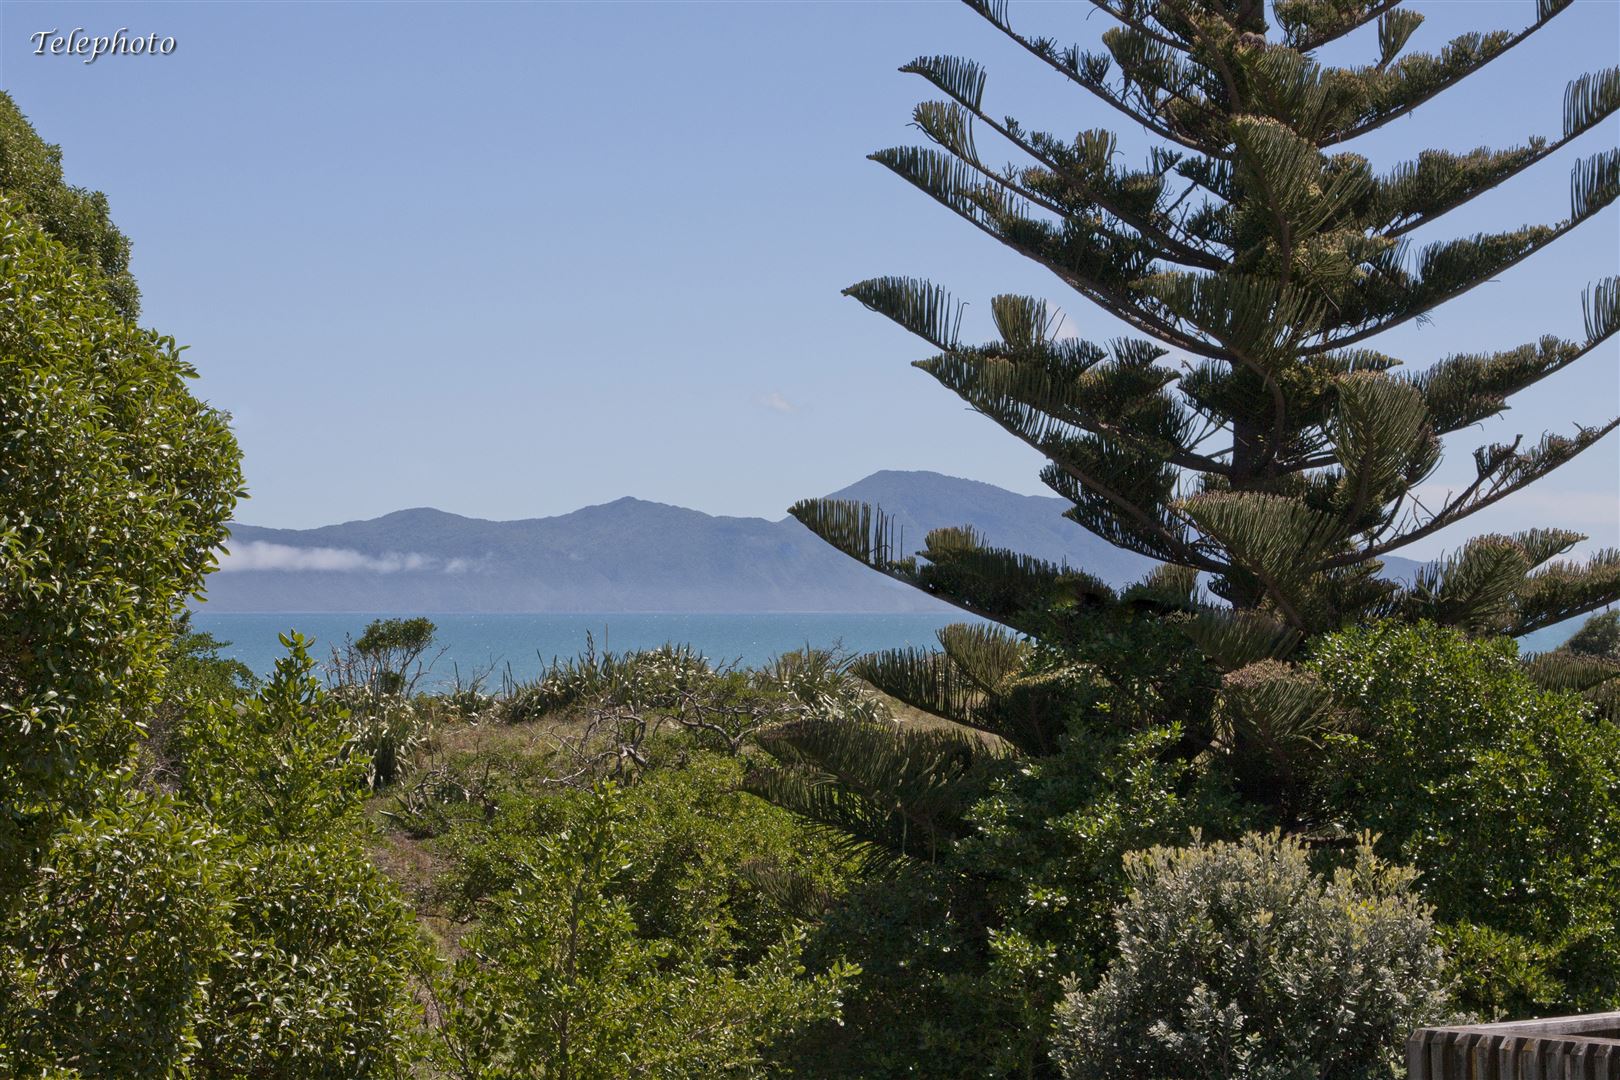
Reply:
x=381, y=731
x=195, y=674
x=115, y=486
x=617, y=947
x=647, y=679
x=115, y=941
x=963, y=962
x=315, y=978
x=1501, y=794
x=1236, y=961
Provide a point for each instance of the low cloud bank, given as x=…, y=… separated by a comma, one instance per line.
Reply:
x=262, y=555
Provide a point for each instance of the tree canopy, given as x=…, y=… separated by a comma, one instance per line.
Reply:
x=115, y=487
x=1281, y=459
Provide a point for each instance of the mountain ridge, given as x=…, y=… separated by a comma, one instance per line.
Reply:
x=633, y=554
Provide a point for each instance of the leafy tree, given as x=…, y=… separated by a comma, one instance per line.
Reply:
x=115, y=486
x=214, y=916
x=387, y=656
x=31, y=176
x=1599, y=636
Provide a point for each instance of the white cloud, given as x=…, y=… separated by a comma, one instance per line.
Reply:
x=777, y=403
x=261, y=555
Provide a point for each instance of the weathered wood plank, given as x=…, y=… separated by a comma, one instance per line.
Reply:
x=1556, y=1048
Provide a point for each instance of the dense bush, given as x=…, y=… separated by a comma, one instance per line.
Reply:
x=320, y=950
x=115, y=484
x=1501, y=794
x=1598, y=636
x=195, y=673
x=963, y=960
x=232, y=927
x=619, y=947
x=1498, y=793
x=1236, y=961
x=114, y=942
x=611, y=903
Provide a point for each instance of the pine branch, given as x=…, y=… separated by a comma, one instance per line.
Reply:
x=1299, y=191
x=1089, y=78
x=1004, y=586
x=1124, y=17
x=1122, y=402
x=1233, y=639
x=1449, y=269
x=1426, y=76
x=987, y=655
x=1395, y=29
x=1562, y=670
x=1475, y=588
x=1272, y=716
x=1541, y=545
x=1500, y=471
x=924, y=679
x=1564, y=590
x=1439, y=181
x=902, y=791
x=1121, y=497
x=963, y=81
x=1256, y=320
x=1310, y=24
x=1384, y=441
x=950, y=182
x=916, y=305
x=1166, y=588
x=1464, y=389
x=861, y=531
x=1275, y=538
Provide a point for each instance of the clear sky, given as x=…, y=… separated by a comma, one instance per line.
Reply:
x=511, y=259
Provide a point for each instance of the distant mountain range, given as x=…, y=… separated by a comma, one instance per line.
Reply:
x=633, y=555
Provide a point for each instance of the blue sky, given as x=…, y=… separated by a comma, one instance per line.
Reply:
x=511, y=259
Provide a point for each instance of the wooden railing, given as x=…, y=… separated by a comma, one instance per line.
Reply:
x=1562, y=1048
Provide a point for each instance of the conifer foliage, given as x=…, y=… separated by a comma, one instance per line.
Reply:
x=1281, y=458
x=1252, y=439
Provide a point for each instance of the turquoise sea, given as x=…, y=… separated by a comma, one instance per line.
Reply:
x=525, y=643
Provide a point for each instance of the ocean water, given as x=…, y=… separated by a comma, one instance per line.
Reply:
x=524, y=644
x=1550, y=637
